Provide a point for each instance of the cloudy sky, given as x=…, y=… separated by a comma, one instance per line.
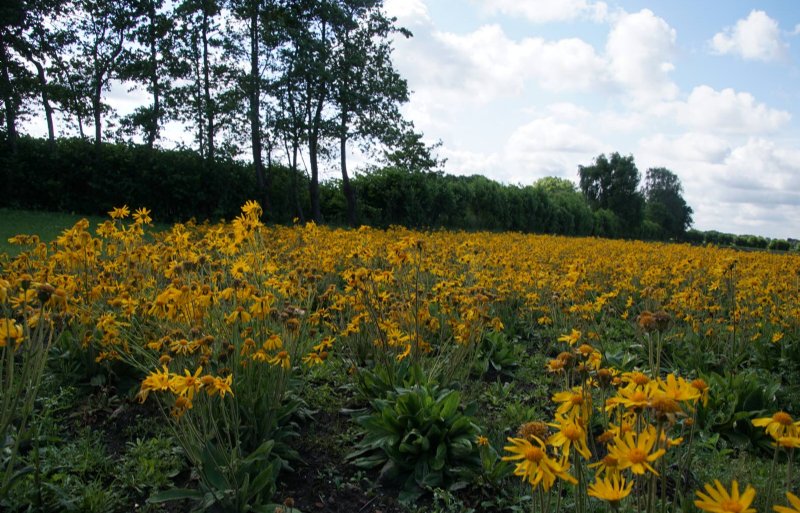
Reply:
x=521, y=89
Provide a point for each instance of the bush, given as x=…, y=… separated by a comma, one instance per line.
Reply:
x=420, y=438
x=175, y=185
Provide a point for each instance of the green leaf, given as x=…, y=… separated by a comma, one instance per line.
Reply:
x=450, y=404
x=441, y=455
x=260, y=482
x=262, y=452
x=175, y=494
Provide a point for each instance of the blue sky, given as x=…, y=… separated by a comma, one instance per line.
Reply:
x=520, y=89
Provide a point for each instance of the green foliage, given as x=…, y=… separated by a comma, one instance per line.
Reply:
x=612, y=184
x=737, y=399
x=231, y=483
x=151, y=464
x=665, y=205
x=496, y=353
x=174, y=184
x=421, y=439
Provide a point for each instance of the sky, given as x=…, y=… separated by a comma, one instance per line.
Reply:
x=521, y=89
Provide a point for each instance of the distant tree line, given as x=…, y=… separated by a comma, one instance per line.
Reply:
x=277, y=80
x=74, y=175
x=289, y=84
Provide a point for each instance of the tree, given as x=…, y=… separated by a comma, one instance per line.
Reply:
x=367, y=88
x=665, y=205
x=612, y=184
x=14, y=77
x=204, y=97
x=103, y=26
x=151, y=61
x=554, y=185
x=406, y=150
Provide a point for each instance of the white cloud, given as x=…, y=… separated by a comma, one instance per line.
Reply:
x=727, y=111
x=497, y=65
x=756, y=37
x=548, y=147
x=543, y=11
x=639, y=49
x=408, y=12
x=692, y=146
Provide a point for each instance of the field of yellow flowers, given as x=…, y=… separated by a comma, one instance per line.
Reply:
x=465, y=371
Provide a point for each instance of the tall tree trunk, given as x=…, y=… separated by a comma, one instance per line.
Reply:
x=347, y=189
x=48, y=109
x=153, y=128
x=255, y=110
x=9, y=102
x=96, y=107
x=316, y=213
x=209, y=108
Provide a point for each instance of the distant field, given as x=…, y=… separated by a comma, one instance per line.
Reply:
x=47, y=225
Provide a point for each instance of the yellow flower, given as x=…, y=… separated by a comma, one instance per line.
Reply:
x=120, y=212
x=571, y=339
x=155, y=381
x=282, y=359
x=186, y=385
x=312, y=359
x=482, y=441
x=634, y=452
x=573, y=403
x=795, y=502
x=10, y=330
x=611, y=488
x=635, y=398
x=570, y=433
x=678, y=389
x=220, y=386
x=272, y=343
x=182, y=404
x=609, y=465
x=780, y=424
x=720, y=501
x=534, y=465
x=142, y=216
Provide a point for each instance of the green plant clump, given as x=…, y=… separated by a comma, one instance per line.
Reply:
x=421, y=439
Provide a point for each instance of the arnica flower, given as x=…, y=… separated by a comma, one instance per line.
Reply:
x=678, y=389
x=610, y=489
x=220, y=386
x=718, y=500
x=571, y=339
x=780, y=424
x=282, y=359
x=573, y=403
x=632, y=398
x=634, y=451
x=10, y=330
x=793, y=500
x=555, y=366
x=120, y=212
x=186, y=385
x=789, y=442
x=701, y=387
x=155, y=381
x=570, y=433
x=272, y=343
x=609, y=465
x=635, y=379
x=182, y=404
x=534, y=465
x=533, y=429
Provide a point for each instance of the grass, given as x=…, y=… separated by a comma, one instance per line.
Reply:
x=47, y=225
